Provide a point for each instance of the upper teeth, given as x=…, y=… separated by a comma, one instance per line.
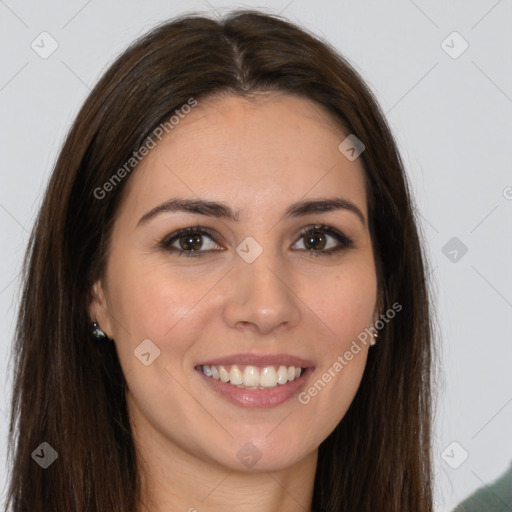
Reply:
x=253, y=377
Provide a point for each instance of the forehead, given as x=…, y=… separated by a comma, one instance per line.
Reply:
x=248, y=151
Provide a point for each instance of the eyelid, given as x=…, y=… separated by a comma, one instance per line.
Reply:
x=166, y=242
x=339, y=235
x=344, y=241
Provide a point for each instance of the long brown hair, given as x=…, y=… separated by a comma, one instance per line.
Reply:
x=70, y=392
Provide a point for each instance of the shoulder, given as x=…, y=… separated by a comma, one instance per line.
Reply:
x=495, y=497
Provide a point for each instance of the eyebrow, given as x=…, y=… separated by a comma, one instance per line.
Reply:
x=223, y=211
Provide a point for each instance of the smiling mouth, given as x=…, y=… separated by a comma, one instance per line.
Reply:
x=252, y=377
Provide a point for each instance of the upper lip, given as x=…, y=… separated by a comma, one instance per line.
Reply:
x=259, y=360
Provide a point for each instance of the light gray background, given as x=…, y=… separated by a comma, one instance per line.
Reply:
x=452, y=118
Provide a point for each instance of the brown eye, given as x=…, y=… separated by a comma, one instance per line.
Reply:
x=316, y=240
x=190, y=242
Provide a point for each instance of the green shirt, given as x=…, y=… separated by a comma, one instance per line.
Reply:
x=496, y=497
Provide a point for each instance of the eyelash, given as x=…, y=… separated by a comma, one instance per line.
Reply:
x=344, y=241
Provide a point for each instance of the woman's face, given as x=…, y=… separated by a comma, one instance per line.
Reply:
x=254, y=293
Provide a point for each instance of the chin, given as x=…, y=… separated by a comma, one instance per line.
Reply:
x=263, y=456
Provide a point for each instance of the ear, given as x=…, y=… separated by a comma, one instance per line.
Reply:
x=98, y=308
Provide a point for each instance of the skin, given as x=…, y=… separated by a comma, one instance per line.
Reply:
x=257, y=156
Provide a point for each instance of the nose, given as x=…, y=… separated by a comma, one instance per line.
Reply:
x=262, y=298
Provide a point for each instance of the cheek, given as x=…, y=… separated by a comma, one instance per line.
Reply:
x=149, y=302
x=166, y=306
x=346, y=305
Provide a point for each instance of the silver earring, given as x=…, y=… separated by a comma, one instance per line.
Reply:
x=97, y=334
x=373, y=341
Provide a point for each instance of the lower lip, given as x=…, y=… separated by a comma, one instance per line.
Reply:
x=262, y=398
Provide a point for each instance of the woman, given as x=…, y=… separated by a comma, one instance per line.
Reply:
x=225, y=299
